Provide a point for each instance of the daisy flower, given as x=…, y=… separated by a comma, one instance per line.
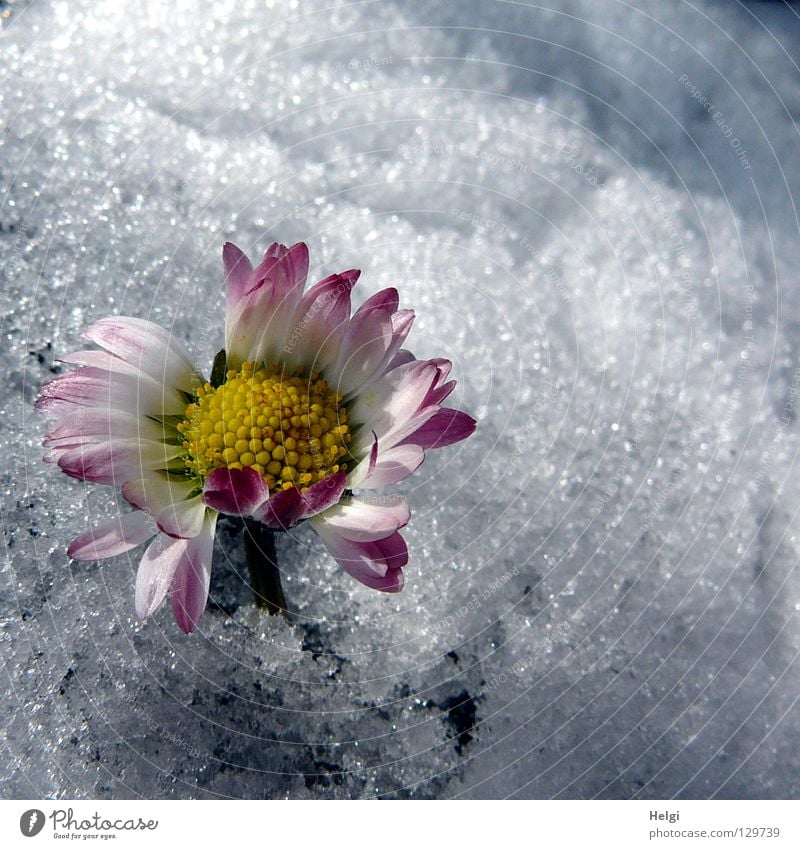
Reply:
x=306, y=404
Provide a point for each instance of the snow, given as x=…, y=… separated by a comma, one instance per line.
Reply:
x=602, y=598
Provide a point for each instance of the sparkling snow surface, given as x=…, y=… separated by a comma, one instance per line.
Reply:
x=590, y=207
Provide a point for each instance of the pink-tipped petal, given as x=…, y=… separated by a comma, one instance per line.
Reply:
x=101, y=360
x=373, y=454
x=95, y=425
x=402, y=321
x=96, y=387
x=330, y=297
x=323, y=494
x=115, y=461
x=85, y=387
x=282, y=510
x=444, y=428
x=192, y=578
x=401, y=358
x=287, y=507
x=386, y=299
x=367, y=465
x=393, y=466
x=109, y=539
x=439, y=393
x=266, y=269
x=395, y=401
x=364, y=348
x=394, y=551
x=258, y=324
x=237, y=492
x=175, y=505
x=316, y=332
x=393, y=582
x=376, y=564
x=286, y=268
x=296, y=266
x=441, y=387
x=444, y=366
x=155, y=573
x=148, y=347
x=238, y=271
x=365, y=520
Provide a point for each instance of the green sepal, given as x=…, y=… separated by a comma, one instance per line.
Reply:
x=219, y=369
x=168, y=422
x=177, y=470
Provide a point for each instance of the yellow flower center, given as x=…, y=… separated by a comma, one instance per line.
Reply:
x=292, y=430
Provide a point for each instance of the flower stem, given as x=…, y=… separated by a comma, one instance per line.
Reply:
x=265, y=576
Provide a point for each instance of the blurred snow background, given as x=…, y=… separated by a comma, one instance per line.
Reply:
x=592, y=206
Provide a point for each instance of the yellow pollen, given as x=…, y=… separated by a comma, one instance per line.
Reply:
x=292, y=430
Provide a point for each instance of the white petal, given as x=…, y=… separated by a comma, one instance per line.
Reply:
x=95, y=387
x=108, y=539
x=115, y=461
x=155, y=573
x=257, y=324
x=393, y=466
x=101, y=424
x=169, y=503
x=394, y=400
x=192, y=578
x=148, y=347
x=364, y=348
x=363, y=520
x=100, y=359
